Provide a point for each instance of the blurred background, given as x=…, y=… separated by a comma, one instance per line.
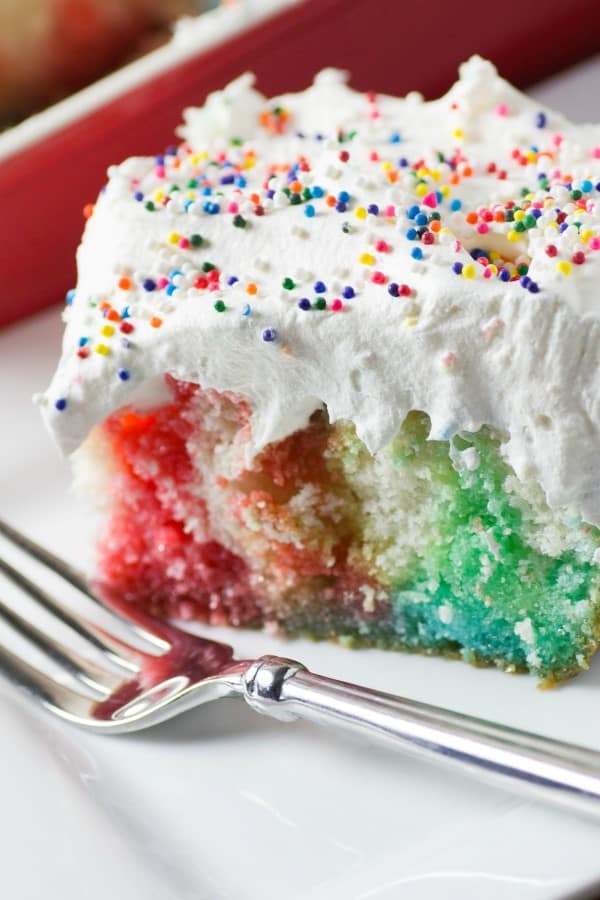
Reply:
x=50, y=48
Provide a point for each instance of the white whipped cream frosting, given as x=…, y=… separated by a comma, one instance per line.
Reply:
x=467, y=351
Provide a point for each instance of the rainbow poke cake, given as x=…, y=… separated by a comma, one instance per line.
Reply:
x=331, y=368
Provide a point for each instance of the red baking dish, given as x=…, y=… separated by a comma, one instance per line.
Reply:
x=55, y=163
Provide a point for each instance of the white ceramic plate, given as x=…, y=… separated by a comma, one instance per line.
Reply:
x=226, y=804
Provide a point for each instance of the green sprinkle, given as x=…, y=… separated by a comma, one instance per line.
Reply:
x=208, y=266
x=530, y=221
x=523, y=269
x=520, y=226
x=239, y=221
x=220, y=306
x=320, y=303
x=289, y=284
x=307, y=194
x=295, y=199
x=576, y=195
x=236, y=142
x=149, y=206
x=196, y=240
x=173, y=188
x=192, y=183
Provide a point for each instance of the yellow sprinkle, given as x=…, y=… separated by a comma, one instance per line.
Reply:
x=367, y=259
x=519, y=214
x=387, y=166
x=102, y=349
x=531, y=156
x=158, y=195
x=458, y=133
x=410, y=321
x=435, y=174
x=513, y=236
x=203, y=154
x=586, y=234
x=107, y=330
x=564, y=266
x=494, y=255
x=444, y=230
x=360, y=212
x=422, y=172
x=174, y=238
x=421, y=190
x=194, y=159
x=445, y=190
x=552, y=224
x=191, y=195
x=468, y=271
x=493, y=269
x=249, y=163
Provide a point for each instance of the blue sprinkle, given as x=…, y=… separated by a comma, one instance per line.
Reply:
x=533, y=287
x=317, y=191
x=504, y=275
x=457, y=268
x=187, y=205
x=373, y=209
x=586, y=186
x=395, y=138
x=175, y=272
x=270, y=194
x=138, y=196
x=171, y=150
x=246, y=310
x=309, y=211
x=70, y=296
x=341, y=207
x=304, y=303
x=403, y=162
x=411, y=234
x=393, y=289
x=211, y=208
x=348, y=292
x=232, y=279
x=227, y=179
x=320, y=287
x=125, y=312
x=61, y=404
x=319, y=137
x=126, y=343
x=413, y=211
x=240, y=181
x=269, y=334
x=207, y=191
x=170, y=289
x=124, y=374
x=344, y=196
x=540, y=120
x=562, y=227
x=148, y=284
x=83, y=341
x=160, y=160
x=536, y=213
x=421, y=219
x=525, y=281
x=416, y=253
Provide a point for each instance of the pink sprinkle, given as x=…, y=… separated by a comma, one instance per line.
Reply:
x=430, y=200
x=557, y=140
x=378, y=278
x=594, y=243
x=336, y=304
x=596, y=153
x=162, y=283
x=233, y=207
x=487, y=272
x=390, y=211
x=449, y=360
x=382, y=246
x=214, y=286
x=184, y=243
x=405, y=290
x=502, y=109
x=483, y=228
x=374, y=114
x=161, y=172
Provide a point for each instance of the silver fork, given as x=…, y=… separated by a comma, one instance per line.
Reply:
x=128, y=672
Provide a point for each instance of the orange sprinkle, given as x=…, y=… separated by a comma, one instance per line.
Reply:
x=156, y=322
x=466, y=172
x=392, y=176
x=88, y=210
x=471, y=218
x=498, y=216
x=454, y=178
x=331, y=201
x=124, y=283
x=254, y=198
x=295, y=187
x=113, y=315
x=104, y=305
x=251, y=288
x=435, y=225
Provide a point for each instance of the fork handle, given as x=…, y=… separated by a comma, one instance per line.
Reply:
x=538, y=766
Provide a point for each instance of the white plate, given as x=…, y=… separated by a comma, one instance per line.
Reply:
x=226, y=804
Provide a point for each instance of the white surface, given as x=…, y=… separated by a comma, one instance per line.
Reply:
x=226, y=804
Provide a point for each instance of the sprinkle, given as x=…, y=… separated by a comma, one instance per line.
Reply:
x=319, y=287
x=126, y=327
x=337, y=305
x=431, y=200
x=219, y=306
x=149, y=285
x=269, y=335
x=288, y=284
x=60, y=404
x=239, y=221
x=124, y=284
x=309, y=211
x=468, y=271
x=320, y=303
x=366, y=259
x=102, y=349
x=156, y=321
x=564, y=267
x=457, y=268
x=416, y=253
x=251, y=288
x=304, y=303
x=70, y=296
x=124, y=374
x=360, y=212
x=394, y=289
x=107, y=330
x=373, y=209
x=502, y=109
x=348, y=292
x=578, y=258
x=246, y=310
x=343, y=156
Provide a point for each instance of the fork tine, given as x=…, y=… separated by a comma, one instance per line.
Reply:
x=100, y=682
x=52, y=694
x=102, y=648
x=119, y=623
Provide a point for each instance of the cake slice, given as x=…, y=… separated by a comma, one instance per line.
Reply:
x=331, y=368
